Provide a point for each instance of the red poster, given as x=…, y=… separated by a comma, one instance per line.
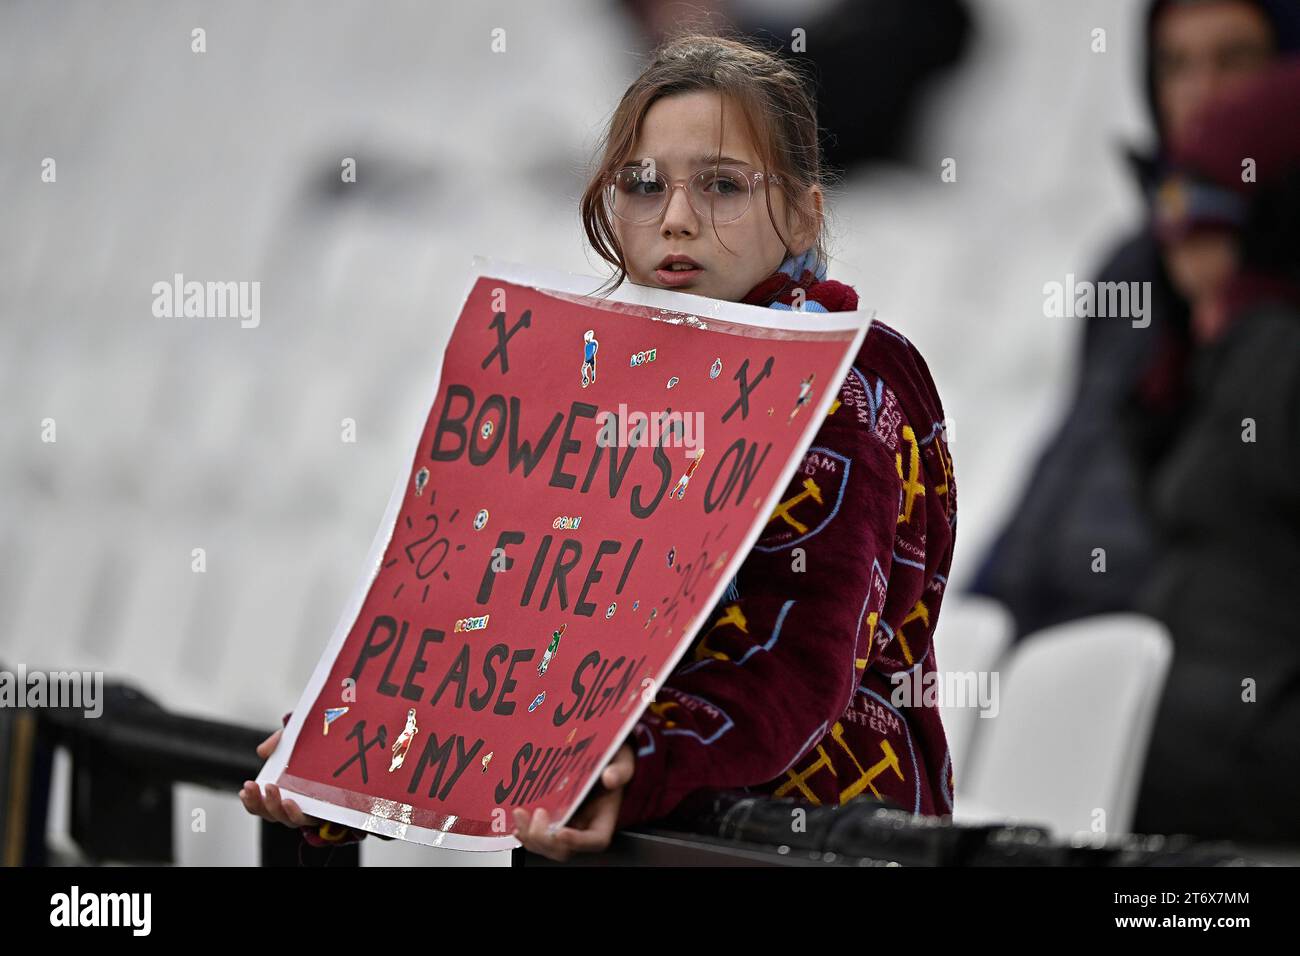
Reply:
x=589, y=476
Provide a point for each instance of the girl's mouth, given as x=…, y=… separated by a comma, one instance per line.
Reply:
x=675, y=277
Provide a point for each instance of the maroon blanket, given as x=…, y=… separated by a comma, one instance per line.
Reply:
x=789, y=691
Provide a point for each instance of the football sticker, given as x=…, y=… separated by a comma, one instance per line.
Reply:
x=590, y=345
x=551, y=648
x=332, y=714
x=403, y=742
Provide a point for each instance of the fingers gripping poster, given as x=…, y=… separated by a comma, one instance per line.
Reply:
x=589, y=476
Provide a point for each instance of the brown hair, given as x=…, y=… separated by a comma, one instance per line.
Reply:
x=776, y=102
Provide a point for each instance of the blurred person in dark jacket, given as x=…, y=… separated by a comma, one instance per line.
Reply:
x=1083, y=493
x=872, y=60
x=1225, y=498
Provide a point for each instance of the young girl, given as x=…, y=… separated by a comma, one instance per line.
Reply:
x=801, y=652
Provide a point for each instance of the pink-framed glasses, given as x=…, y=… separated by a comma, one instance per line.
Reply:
x=722, y=194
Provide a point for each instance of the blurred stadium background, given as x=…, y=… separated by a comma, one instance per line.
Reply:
x=177, y=434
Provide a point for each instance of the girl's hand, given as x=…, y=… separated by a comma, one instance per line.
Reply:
x=273, y=807
x=267, y=746
x=592, y=825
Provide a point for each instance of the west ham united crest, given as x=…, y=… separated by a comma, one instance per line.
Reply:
x=809, y=502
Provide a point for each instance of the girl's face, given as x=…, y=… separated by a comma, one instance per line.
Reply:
x=681, y=134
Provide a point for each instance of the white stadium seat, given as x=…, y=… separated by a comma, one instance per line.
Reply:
x=1075, y=715
x=972, y=635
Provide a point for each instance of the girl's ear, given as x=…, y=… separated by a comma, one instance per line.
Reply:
x=803, y=233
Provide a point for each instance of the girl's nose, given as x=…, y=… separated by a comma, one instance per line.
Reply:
x=679, y=217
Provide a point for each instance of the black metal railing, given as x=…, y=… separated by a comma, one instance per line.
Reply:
x=126, y=762
x=735, y=828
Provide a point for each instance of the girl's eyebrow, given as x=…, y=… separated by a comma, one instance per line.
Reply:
x=720, y=159
x=702, y=160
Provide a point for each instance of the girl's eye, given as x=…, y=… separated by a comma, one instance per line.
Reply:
x=724, y=184
x=630, y=182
